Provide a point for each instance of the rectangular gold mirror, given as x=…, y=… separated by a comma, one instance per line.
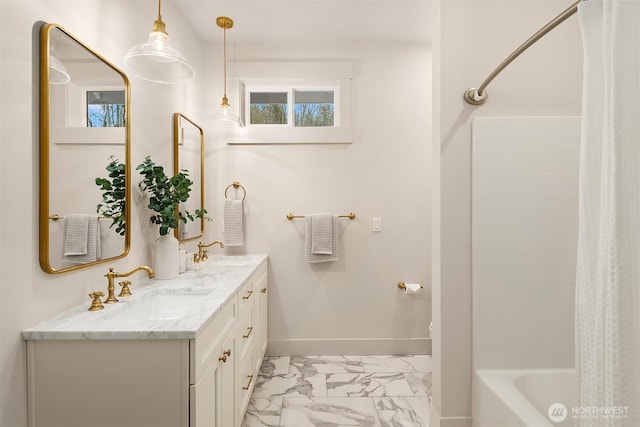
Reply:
x=84, y=155
x=188, y=154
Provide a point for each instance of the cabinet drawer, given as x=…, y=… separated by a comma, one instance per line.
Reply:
x=246, y=294
x=260, y=277
x=207, y=346
x=246, y=380
x=246, y=330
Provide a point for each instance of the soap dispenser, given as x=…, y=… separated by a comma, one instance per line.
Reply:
x=182, y=260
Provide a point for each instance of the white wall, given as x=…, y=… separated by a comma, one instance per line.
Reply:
x=475, y=36
x=28, y=295
x=351, y=306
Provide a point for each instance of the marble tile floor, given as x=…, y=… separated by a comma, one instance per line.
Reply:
x=341, y=391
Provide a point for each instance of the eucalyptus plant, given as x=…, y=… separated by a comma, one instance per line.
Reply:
x=114, y=195
x=166, y=194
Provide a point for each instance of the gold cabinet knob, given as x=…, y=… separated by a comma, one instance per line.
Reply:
x=264, y=290
x=225, y=355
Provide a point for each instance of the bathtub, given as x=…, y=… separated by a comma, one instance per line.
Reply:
x=522, y=397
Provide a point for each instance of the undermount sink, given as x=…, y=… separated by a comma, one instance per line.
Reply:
x=160, y=305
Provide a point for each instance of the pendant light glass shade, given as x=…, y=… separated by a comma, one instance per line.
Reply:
x=58, y=74
x=225, y=117
x=156, y=60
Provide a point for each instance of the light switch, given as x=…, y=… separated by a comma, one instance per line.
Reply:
x=377, y=224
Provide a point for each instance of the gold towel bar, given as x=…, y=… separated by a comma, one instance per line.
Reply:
x=350, y=215
x=56, y=217
x=236, y=184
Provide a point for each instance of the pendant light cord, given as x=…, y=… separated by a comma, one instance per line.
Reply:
x=224, y=23
x=225, y=61
x=158, y=25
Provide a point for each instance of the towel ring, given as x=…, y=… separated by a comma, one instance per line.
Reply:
x=236, y=184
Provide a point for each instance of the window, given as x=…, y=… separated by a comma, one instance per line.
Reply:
x=268, y=108
x=82, y=114
x=292, y=102
x=105, y=108
x=297, y=107
x=313, y=107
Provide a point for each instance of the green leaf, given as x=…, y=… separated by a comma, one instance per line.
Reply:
x=165, y=194
x=114, y=193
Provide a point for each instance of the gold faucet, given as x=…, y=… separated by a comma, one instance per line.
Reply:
x=111, y=275
x=202, y=254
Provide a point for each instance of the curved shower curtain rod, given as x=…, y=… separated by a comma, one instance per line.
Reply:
x=478, y=96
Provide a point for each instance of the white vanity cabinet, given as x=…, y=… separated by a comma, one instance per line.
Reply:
x=262, y=315
x=212, y=373
x=162, y=375
x=251, y=332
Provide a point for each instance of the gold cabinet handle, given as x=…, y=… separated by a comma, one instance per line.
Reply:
x=264, y=290
x=249, y=330
x=249, y=293
x=249, y=383
x=224, y=356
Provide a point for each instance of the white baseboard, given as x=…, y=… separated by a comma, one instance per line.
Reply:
x=345, y=347
x=438, y=421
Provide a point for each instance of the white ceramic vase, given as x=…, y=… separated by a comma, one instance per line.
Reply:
x=165, y=257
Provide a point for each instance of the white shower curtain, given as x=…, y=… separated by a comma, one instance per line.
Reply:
x=608, y=271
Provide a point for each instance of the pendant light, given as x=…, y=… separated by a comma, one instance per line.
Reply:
x=156, y=60
x=225, y=117
x=58, y=74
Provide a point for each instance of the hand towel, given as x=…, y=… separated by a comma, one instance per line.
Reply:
x=76, y=232
x=335, y=233
x=92, y=240
x=322, y=234
x=233, y=222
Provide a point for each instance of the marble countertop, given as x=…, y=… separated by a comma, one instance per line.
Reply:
x=196, y=296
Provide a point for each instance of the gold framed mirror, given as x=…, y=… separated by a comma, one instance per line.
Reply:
x=188, y=154
x=84, y=136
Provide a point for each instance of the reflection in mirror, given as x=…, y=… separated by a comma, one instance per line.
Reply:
x=84, y=132
x=188, y=153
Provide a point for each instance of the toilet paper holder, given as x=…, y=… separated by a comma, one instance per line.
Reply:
x=401, y=285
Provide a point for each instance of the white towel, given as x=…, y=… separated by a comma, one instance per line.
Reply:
x=76, y=232
x=322, y=234
x=78, y=238
x=309, y=256
x=233, y=222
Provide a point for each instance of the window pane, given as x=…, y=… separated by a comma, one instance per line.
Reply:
x=268, y=108
x=313, y=108
x=105, y=108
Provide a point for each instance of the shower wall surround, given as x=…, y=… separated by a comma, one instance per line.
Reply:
x=525, y=201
